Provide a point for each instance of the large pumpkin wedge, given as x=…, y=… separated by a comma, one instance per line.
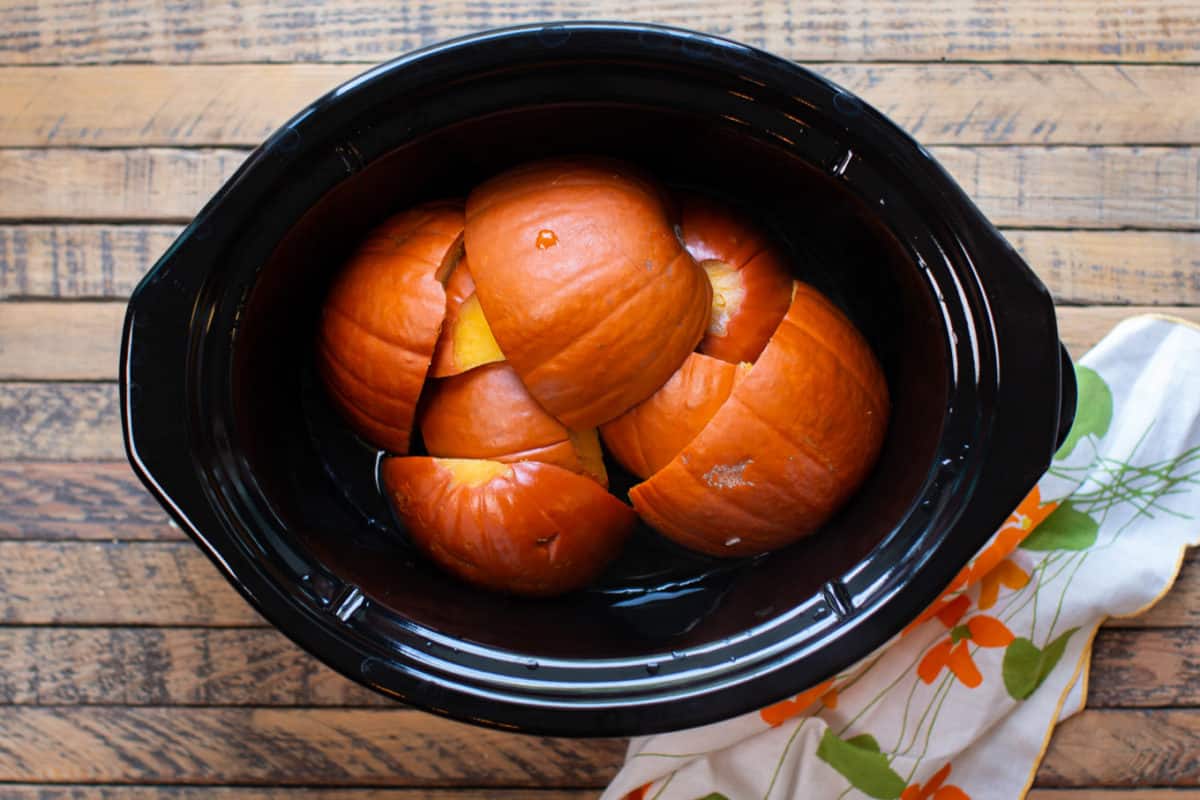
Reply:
x=794, y=440
x=487, y=413
x=526, y=528
x=752, y=285
x=589, y=293
x=381, y=318
x=646, y=437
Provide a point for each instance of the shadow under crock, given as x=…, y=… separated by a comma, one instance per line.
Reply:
x=665, y=638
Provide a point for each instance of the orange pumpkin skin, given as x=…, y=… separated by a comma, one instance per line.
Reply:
x=753, y=265
x=381, y=319
x=459, y=286
x=797, y=436
x=646, y=437
x=487, y=413
x=587, y=289
x=526, y=528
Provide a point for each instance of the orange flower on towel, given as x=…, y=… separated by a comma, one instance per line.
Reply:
x=639, y=793
x=1006, y=573
x=779, y=713
x=953, y=652
x=933, y=790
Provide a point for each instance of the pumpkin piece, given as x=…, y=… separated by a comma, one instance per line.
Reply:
x=487, y=413
x=381, y=319
x=646, y=437
x=526, y=528
x=588, y=291
x=752, y=285
x=794, y=440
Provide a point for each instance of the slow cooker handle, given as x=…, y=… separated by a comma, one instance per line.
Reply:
x=1068, y=397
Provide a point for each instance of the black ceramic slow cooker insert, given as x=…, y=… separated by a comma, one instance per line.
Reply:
x=229, y=428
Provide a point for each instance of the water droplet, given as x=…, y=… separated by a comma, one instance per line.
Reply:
x=652, y=668
x=730, y=542
x=820, y=612
x=882, y=202
x=428, y=643
x=546, y=239
x=676, y=654
x=947, y=462
x=927, y=504
x=532, y=664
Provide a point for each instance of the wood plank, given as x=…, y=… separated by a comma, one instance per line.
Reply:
x=224, y=104
x=168, y=667
x=143, y=583
x=1145, y=668
x=85, y=339
x=1080, y=187
x=78, y=260
x=91, y=501
x=1079, y=266
x=1044, y=187
x=48, y=341
x=41, y=791
x=1118, y=267
x=373, y=747
x=1080, y=327
x=160, y=185
x=56, y=31
x=409, y=748
x=1125, y=748
x=60, y=421
x=260, y=667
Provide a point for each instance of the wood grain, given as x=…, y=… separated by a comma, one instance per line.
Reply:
x=1125, y=748
x=88, y=583
x=260, y=667
x=160, y=185
x=14, y=791
x=58, y=31
x=409, y=748
x=89, y=501
x=47, y=341
x=78, y=261
x=1118, y=267
x=85, y=339
x=1055, y=187
x=167, y=667
x=224, y=104
x=373, y=747
x=60, y=421
x=1145, y=668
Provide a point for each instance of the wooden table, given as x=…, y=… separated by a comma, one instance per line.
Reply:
x=127, y=661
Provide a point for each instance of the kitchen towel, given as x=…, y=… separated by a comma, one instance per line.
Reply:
x=961, y=705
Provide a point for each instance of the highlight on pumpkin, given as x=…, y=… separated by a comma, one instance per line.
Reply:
x=575, y=316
